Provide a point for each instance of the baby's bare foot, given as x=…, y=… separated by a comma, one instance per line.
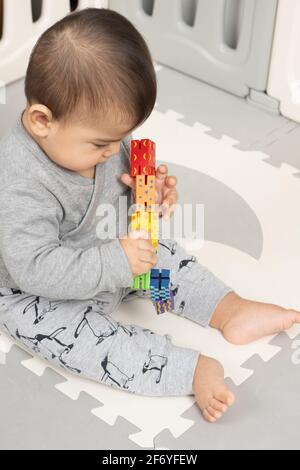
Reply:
x=242, y=321
x=211, y=393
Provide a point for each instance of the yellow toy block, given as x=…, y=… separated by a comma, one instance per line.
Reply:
x=135, y=221
x=140, y=221
x=147, y=221
x=154, y=229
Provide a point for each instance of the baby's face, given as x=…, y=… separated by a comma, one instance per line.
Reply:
x=78, y=147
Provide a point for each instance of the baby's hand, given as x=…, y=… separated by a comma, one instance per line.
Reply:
x=166, y=192
x=167, y=195
x=140, y=252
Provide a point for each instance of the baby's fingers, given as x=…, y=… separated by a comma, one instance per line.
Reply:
x=128, y=180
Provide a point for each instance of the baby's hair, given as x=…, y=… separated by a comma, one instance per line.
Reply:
x=92, y=63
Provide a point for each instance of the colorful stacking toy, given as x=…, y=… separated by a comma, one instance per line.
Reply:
x=143, y=169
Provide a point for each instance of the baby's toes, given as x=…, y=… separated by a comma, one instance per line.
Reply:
x=214, y=413
x=208, y=417
x=294, y=315
x=218, y=405
x=287, y=319
x=224, y=395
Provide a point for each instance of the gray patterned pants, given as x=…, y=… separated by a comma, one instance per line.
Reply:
x=82, y=337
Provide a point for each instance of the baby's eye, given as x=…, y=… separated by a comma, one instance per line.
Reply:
x=100, y=146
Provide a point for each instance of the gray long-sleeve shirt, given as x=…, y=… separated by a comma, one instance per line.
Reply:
x=49, y=244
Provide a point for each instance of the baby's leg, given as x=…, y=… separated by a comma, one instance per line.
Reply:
x=242, y=321
x=205, y=299
x=81, y=337
x=197, y=291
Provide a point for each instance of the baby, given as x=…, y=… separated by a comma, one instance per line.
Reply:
x=90, y=82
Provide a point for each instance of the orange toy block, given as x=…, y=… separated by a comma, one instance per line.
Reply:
x=145, y=193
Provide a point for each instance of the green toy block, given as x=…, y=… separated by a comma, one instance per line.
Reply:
x=143, y=281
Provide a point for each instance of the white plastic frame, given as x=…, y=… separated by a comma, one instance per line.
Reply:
x=20, y=33
x=284, y=77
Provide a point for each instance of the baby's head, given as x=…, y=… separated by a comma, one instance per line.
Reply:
x=90, y=82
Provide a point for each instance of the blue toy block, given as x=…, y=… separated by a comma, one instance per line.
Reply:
x=160, y=284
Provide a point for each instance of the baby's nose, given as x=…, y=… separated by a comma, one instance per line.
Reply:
x=113, y=150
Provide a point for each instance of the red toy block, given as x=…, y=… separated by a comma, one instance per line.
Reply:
x=143, y=159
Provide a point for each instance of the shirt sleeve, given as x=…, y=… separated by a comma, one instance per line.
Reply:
x=32, y=253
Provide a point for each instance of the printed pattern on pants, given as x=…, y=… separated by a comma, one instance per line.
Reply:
x=82, y=337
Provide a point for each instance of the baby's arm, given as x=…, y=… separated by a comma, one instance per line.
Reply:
x=36, y=261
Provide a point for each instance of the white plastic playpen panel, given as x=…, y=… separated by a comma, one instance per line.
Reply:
x=226, y=43
x=284, y=79
x=20, y=31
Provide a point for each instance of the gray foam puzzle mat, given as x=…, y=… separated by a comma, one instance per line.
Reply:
x=226, y=115
x=266, y=415
x=219, y=198
x=34, y=415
